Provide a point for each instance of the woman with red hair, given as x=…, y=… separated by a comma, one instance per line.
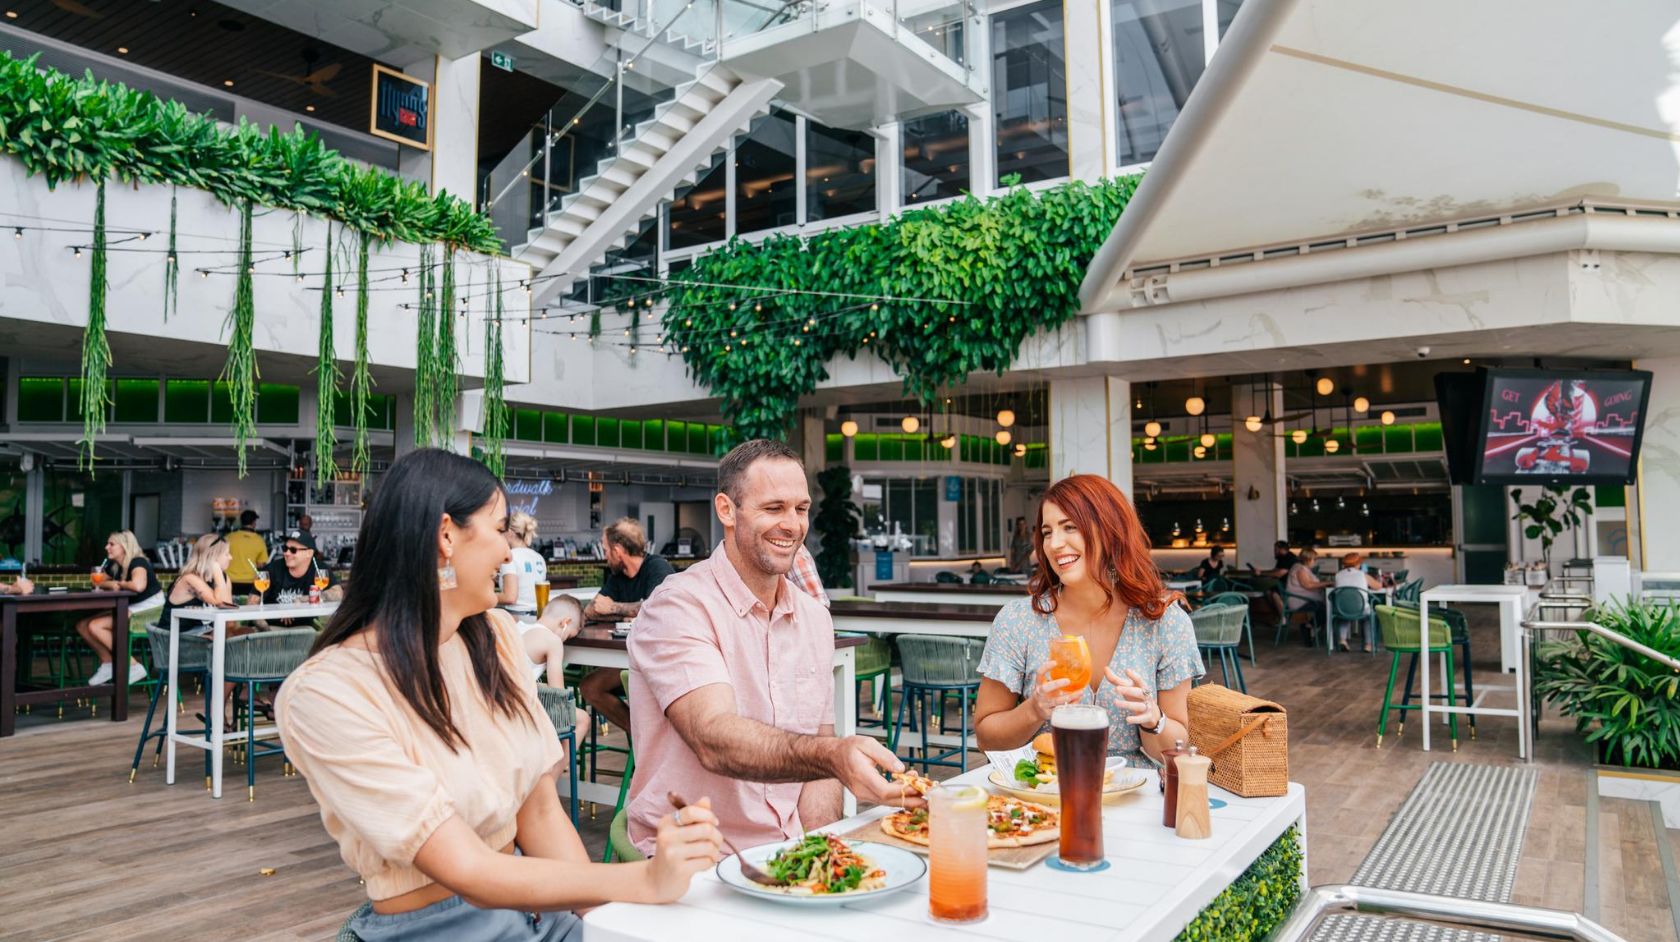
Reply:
x=1094, y=579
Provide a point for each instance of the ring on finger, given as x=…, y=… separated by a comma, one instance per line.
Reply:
x=678, y=817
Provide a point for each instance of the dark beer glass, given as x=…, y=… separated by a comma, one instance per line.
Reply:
x=1080, y=732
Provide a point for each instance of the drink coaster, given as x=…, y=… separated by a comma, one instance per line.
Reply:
x=1055, y=863
x=1214, y=804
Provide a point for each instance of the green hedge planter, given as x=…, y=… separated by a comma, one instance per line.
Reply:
x=1257, y=902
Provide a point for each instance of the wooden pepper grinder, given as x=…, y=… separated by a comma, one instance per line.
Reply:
x=1194, y=821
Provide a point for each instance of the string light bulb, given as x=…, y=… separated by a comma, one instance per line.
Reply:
x=1003, y=436
x=1149, y=444
x=17, y=232
x=1331, y=446
x=1361, y=405
x=1020, y=449
x=1252, y=423
x=949, y=442
x=1299, y=436
x=1152, y=429
x=1387, y=417
x=848, y=428
x=78, y=251
x=1199, y=451
x=1006, y=417
x=1207, y=439
x=910, y=424
x=1325, y=386
x=1194, y=405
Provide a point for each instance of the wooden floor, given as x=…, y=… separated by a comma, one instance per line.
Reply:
x=87, y=856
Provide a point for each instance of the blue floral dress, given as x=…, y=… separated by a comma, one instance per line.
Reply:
x=1018, y=649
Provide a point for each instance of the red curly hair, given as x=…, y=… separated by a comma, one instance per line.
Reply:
x=1110, y=526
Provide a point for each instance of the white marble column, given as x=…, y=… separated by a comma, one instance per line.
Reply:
x=455, y=126
x=1260, y=489
x=1090, y=90
x=1091, y=428
x=1658, y=493
x=889, y=168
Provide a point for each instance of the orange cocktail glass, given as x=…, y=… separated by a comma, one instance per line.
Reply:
x=1070, y=658
x=321, y=582
x=98, y=576
x=260, y=583
x=957, y=832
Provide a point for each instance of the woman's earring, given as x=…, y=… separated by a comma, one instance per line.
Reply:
x=446, y=575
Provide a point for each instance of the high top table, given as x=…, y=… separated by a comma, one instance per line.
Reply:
x=1510, y=599
x=947, y=593
x=1157, y=884
x=114, y=601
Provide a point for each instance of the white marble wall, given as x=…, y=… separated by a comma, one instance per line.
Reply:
x=1257, y=473
x=1091, y=428
x=1089, y=87
x=455, y=126
x=1659, y=467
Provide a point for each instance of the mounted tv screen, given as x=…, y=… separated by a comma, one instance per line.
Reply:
x=1562, y=426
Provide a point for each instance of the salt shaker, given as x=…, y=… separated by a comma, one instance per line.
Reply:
x=1194, y=815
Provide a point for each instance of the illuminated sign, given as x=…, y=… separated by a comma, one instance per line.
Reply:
x=401, y=109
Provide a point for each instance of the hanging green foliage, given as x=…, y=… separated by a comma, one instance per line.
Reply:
x=96, y=349
x=594, y=323
x=425, y=352
x=67, y=128
x=495, y=402
x=240, y=371
x=448, y=361
x=1016, y=260
x=326, y=378
x=171, y=266
x=361, y=380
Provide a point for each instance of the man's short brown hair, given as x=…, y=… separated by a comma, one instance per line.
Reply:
x=732, y=470
x=626, y=534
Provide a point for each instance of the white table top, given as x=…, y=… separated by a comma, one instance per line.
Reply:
x=1481, y=591
x=1157, y=883
x=255, y=612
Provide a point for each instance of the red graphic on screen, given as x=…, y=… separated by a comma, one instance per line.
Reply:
x=1560, y=427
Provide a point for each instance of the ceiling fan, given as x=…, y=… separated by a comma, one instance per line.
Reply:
x=78, y=9
x=314, y=79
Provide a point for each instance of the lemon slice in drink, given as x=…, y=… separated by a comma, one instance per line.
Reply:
x=967, y=797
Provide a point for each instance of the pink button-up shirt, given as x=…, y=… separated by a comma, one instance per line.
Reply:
x=704, y=626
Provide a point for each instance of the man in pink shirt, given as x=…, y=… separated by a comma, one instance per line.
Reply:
x=730, y=667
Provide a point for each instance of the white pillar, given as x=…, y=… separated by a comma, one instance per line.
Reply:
x=1658, y=493
x=1086, y=44
x=1091, y=428
x=1259, y=487
x=982, y=148
x=889, y=168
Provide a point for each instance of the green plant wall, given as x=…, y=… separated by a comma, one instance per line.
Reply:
x=1256, y=902
x=964, y=283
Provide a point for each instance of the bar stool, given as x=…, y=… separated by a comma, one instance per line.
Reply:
x=618, y=838
x=264, y=657
x=934, y=665
x=1218, y=630
x=873, y=661
x=1460, y=627
x=562, y=712
x=195, y=662
x=1402, y=635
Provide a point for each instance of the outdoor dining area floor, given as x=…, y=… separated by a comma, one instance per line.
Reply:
x=86, y=855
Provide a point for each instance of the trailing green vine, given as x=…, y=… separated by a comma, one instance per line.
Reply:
x=240, y=371
x=171, y=267
x=96, y=347
x=425, y=353
x=326, y=378
x=495, y=401
x=361, y=380
x=1015, y=262
x=448, y=360
x=66, y=128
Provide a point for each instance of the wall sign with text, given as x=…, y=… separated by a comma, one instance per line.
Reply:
x=402, y=108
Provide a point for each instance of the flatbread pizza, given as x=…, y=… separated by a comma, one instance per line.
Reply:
x=1011, y=822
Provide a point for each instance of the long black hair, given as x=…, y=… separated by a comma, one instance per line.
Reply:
x=395, y=585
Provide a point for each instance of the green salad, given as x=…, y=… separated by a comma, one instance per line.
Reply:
x=821, y=863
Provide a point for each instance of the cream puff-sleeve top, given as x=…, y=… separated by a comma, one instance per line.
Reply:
x=385, y=782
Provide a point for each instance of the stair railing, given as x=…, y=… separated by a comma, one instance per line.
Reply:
x=1532, y=922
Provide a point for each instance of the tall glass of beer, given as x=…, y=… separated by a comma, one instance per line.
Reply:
x=542, y=593
x=1080, y=733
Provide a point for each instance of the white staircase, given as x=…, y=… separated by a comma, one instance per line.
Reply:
x=665, y=152
x=640, y=26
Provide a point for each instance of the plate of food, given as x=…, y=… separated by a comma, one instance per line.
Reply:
x=824, y=870
x=1010, y=822
x=1035, y=779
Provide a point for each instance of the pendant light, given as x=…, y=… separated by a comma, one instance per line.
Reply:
x=1315, y=505
x=1020, y=449
x=1208, y=439
x=1340, y=503
x=1253, y=423
x=1331, y=446
x=1293, y=509
x=1003, y=436
x=910, y=424
x=949, y=441
x=1194, y=405
x=1199, y=452
x=1361, y=405
x=1387, y=417
x=1299, y=436
x=1006, y=417
x=1325, y=386
x=1152, y=429
x=848, y=428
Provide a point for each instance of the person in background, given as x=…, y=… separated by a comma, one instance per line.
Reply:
x=21, y=587
x=632, y=575
x=1284, y=561
x=1352, y=576
x=729, y=668
x=306, y=523
x=203, y=580
x=1095, y=580
x=292, y=575
x=1304, y=593
x=1213, y=566
x=420, y=733
x=1021, y=548
x=127, y=568
x=523, y=570
x=250, y=553
x=805, y=577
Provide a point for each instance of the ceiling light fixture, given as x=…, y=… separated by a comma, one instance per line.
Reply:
x=1207, y=439
x=1003, y=436
x=1299, y=436
x=1006, y=418
x=1252, y=423
x=11, y=14
x=1194, y=405
x=309, y=108
x=1361, y=405
x=1387, y=417
x=1199, y=451
x=1325, y=386
x=122, y=50
x=1152, y=429
x=910, y=424
x=1331, y=446
x=227, y=82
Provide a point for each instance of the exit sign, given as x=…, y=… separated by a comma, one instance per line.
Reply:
x=501, y=60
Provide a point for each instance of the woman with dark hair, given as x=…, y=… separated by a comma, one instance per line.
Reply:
x=1095, y=579
x=417, y=725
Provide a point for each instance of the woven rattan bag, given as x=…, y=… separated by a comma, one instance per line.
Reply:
x=1246, y=737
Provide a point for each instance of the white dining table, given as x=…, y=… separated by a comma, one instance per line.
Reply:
x=219, y=619
x=1510, y=599
x=969, y=595
x=1156, y=884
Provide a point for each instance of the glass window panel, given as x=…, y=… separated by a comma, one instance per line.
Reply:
x=221, y=403
x=915, y=447
x=606, y=433
x=1426, y=436
x=935, y=157
x=40, y=399
x=386, y=408
x=277, y=404
x=527, y=425
x=1029, y=92
x=834, y=448
x=866, y=447
x=965, y=518
x=629, y=433
x=555, y=427
x=1157, y=60
x=653, y=434
x=898, y=506
x=994, y=512
x=697, y=438
x=892, y=448
x=764, y=174
x=697, y=212
x=1227, y=13
x=1367, y=439
x=926, y=514
x=839, y=172
x=1397, y=439
x=583, y=430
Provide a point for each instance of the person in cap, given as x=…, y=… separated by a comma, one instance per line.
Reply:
x=1351, y=576
x=249, y=550
x=291, y=576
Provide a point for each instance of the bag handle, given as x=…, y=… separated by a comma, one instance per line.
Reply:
x=1231, y=740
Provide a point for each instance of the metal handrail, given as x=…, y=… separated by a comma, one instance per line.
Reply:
x=1607, y=634
x=1531, y=921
